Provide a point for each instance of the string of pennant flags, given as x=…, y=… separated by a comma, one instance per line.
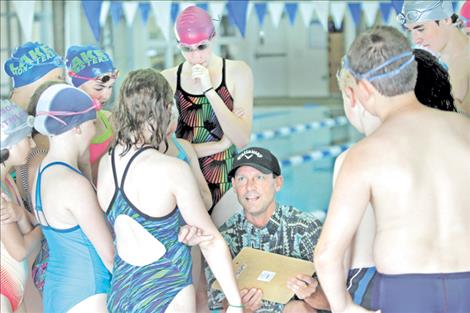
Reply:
x=237, y=11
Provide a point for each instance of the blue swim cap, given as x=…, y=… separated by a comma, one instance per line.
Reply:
x=16, y=124
x=30, y=62
x=87, y=62
x=61, y=107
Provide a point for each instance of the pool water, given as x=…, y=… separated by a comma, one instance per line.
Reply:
x=307, y=183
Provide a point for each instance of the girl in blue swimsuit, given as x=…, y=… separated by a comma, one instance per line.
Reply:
x=65, y=204
x=148, y=196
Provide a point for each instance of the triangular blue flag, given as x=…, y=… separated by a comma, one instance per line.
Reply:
x=92, y=11
x=116, y=11
x=397, y=5
x=203, y=5
x=175, y=8
x=261, y=9
x=144, y=8
x=385, y=9
x=291, y=9
x=237, y=10
x=455, y=6
x=356, y=11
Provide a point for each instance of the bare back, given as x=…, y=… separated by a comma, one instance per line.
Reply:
x=419, y=174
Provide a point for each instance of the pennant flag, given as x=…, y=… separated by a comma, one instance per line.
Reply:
x=237, y=10
x=275, y=10
x=338, y=9
x=306, y=10
x=144, y=8
x=322, y=10
x=25, y=13
x=355, y=9
x=116, y=11
x=203, y=5
x=92, y=11
x=291, y=9
x=129, y=8
x=261, y=9
x=162, y=15
x=385, y=9
x=175, y=8
x=104, y=12
x=216, y=10
x=397, y=5
x=370, y=9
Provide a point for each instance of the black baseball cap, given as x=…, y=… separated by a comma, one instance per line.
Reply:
x=259, y=158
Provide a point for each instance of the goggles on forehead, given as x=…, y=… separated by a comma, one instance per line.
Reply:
x=102, y=78
x=372, y=74
x=96, y=105
x=414, y=15
x=200, y=47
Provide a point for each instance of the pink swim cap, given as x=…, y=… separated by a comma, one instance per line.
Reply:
x=194, y=25
x=465, y=12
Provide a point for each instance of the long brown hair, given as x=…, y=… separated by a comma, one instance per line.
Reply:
x=144, y=104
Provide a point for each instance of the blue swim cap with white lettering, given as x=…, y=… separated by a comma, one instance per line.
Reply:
x=87, y=62
x=31, y=61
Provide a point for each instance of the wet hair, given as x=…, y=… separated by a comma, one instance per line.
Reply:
x=433, y=87
x=373, y=48
x=33, y=102
x=144, y=104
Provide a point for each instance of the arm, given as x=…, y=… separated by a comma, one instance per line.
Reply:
x=215, y=251
x=350, y=197
x=84, y=206
x=236, y=128
x=19, y=241
x=201, y=181
x=213, y=147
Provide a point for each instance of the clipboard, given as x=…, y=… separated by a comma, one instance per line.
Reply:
x=269, y=272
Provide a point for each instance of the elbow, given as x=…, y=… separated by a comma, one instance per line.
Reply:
x=242, y=142
x=323, y=258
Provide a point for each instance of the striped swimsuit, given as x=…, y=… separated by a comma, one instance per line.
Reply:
x=151, y=287
x=198, y=123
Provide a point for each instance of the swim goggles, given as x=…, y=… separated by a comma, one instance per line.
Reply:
x=414, y=15
x=372, y=74
x=102, y=78
x=96, y=105
x=200, y=47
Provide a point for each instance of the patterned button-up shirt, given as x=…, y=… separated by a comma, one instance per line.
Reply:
x=289, y=232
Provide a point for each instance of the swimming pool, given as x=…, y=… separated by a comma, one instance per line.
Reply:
x=306, y=141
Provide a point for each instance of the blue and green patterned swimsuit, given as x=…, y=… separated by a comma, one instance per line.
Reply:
x=152, y=287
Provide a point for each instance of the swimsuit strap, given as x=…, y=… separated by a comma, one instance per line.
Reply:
x=178, y=77
x=113, y=163
x=38, y=207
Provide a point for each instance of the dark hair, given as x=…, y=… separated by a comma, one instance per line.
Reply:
x=373, y=48
x=33, y=102
x=4, y=154
x=433, y=88
x=454, y=18
x=144, y=104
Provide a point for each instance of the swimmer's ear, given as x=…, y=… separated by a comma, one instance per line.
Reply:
x=350, y=95
x=365, y=91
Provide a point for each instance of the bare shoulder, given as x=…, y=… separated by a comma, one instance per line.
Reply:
x=239, y=68
x=156, y=164
x=170, y=76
